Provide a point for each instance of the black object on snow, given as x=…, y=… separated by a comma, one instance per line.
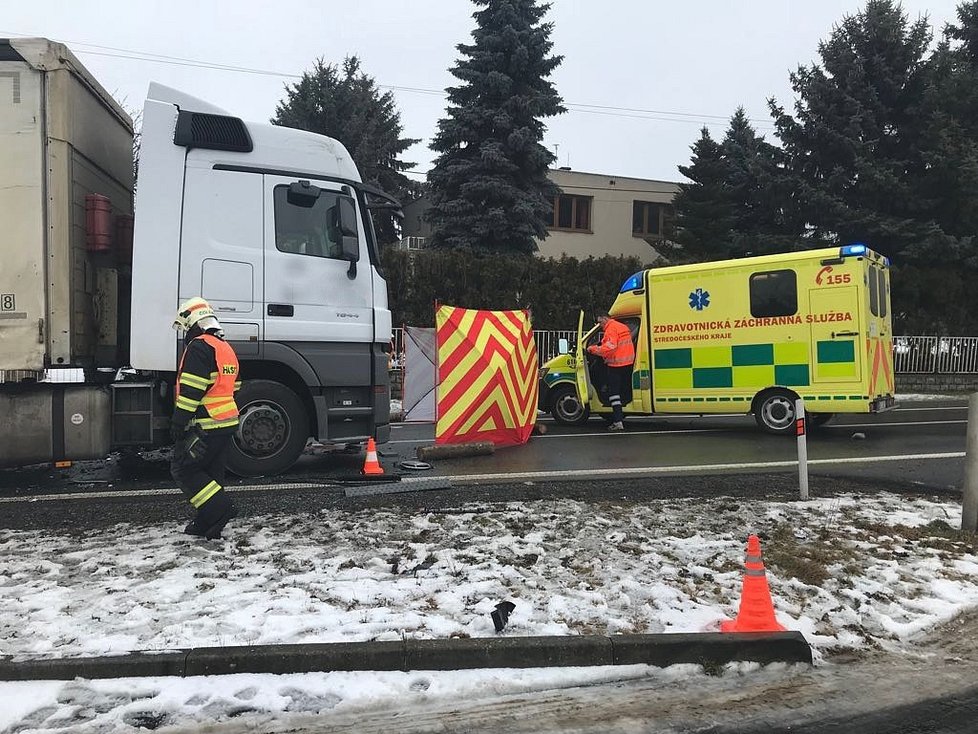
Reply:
x=500, y=615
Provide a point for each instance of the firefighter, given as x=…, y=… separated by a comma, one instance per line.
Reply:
x=618, y=352
x=205, y=417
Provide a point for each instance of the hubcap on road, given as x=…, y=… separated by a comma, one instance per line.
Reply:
x=263, y=429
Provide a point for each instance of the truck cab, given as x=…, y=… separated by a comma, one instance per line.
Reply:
x=270, y=225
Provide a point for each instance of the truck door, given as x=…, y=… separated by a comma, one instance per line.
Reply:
x=312, y=292
x=221, y=248
x=836, y=333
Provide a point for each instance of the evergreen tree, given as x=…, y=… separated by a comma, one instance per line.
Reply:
x=853, y=146
x=489, y=185
x=950, y=134
x=345, y=104
x=705, y=206
x=761, y=200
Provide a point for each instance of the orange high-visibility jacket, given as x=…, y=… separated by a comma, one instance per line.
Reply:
x=206, y=382
x=616, y=346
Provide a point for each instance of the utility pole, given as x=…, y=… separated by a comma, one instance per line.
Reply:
x=969, y=510
x=802, y=449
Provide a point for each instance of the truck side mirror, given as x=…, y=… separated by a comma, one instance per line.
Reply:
x=349, y=234
x=563, y=347
x=304, y=194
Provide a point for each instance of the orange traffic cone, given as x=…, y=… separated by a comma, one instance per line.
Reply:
x=756, y=608
x=370, y=464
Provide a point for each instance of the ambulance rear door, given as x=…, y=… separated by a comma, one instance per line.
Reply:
x=879, y=337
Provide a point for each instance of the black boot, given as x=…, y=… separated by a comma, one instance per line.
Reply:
x=214, y=531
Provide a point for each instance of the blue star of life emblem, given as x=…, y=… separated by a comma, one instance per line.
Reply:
x=699, y=299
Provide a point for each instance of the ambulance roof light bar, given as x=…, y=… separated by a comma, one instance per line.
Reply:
x=853, y=250
x=633, y=283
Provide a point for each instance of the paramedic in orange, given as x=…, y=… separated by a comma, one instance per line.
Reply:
x=618, y=352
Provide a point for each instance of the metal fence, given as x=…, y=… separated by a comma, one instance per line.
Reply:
x=912, y=355
x=941, y=355
x=548, y=344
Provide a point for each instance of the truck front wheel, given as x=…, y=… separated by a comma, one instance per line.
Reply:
x=566, y=408
x=273, y=429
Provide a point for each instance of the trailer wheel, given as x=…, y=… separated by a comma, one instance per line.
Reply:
x=566, y=408
x=774, y=411
x=273, y=429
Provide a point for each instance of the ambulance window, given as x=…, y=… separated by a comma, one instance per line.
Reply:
x=881, y=274
x=774, y=293
x=874, y=292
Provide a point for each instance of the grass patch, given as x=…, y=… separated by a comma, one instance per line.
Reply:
x=936, y=534
x=807, y=562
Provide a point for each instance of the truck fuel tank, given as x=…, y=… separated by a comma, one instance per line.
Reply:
x=44, y=422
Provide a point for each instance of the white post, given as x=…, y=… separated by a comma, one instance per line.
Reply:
x=802, y=449
x=969, y=511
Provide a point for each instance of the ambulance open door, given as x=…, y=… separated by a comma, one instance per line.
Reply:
x=582, y=379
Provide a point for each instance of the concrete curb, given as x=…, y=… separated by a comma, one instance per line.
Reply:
x=452, y=654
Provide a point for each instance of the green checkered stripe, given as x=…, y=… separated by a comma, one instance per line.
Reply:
x=751, y=366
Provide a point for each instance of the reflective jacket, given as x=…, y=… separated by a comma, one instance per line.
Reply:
x=616, y=347
x=206, y=383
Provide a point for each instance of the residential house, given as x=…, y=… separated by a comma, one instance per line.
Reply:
x=595, y=214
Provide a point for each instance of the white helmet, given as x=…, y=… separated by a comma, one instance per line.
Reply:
x=195, y=312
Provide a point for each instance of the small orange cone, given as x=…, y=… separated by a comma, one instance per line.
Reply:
x=756, y=608
x=370, y=464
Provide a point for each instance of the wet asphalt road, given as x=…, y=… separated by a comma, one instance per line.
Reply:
x=918, y=448
x=682, y=444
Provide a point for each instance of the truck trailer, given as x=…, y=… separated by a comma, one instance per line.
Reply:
x=271, y=225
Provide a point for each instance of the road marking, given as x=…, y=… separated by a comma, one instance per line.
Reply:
x=950, y=407
x=893, y=423
x=163, y=491
x=603, y=433
x=679, y=431
x=690, y=468
x=467, y=478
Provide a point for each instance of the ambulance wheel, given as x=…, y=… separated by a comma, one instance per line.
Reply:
x=272, y=432
x=566, y=408
x=774, y=411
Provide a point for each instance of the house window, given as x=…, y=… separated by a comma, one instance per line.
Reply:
x=646, y=219
x=774, y=293
x=572, y=213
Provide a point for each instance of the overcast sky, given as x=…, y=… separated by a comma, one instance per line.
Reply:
x=678, y=65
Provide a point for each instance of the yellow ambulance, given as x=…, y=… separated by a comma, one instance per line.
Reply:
x=749, y=335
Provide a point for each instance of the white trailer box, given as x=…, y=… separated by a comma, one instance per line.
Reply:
x=62, y=137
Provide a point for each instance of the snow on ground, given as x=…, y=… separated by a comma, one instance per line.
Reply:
x=850, y=571
x=125, y=704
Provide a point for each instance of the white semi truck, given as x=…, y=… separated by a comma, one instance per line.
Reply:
x=271, y=225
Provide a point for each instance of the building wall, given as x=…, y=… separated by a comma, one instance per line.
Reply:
x=612, y=200
x=611, y=206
